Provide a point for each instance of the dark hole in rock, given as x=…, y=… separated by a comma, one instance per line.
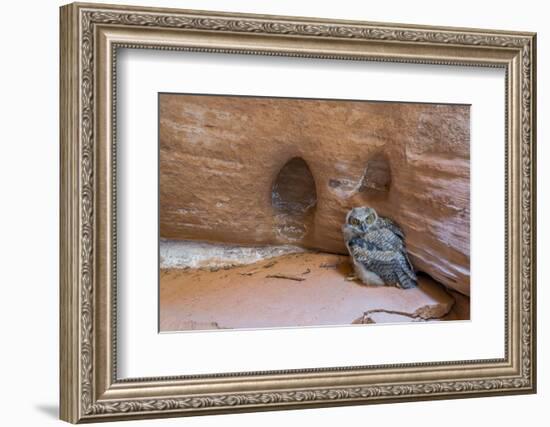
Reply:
x=377, y=174
x=293, y=198
x=334, y=183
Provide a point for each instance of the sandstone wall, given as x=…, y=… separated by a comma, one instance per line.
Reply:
x=222, y=157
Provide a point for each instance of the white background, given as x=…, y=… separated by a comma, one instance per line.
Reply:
x=29, y=171
x=145, y=353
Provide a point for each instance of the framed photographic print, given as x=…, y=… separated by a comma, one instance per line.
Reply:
x=265, y=212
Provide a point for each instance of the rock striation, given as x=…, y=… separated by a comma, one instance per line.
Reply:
x=304, y=289
x=270, y=171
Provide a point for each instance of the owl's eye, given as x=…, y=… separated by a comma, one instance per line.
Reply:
x=354, y=221
x=370, y=219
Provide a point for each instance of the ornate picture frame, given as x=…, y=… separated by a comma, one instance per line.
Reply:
x=90, y=37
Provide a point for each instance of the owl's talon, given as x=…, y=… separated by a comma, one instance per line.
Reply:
x=352, y=278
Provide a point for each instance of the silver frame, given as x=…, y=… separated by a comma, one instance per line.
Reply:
x=90, y=37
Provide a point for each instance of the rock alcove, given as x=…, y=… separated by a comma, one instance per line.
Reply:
x=294, y=198
x=377, y=177
x=411, y=162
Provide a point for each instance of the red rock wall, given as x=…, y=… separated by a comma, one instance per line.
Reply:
x=220, y=157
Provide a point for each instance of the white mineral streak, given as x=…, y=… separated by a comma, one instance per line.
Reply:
x=193, y=254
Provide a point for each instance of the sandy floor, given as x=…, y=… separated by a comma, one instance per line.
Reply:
x=306, y=289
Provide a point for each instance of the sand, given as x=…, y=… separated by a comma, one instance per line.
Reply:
x=293, y=290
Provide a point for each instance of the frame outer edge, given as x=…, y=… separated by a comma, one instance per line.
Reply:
x=68, y=227
x=77, y=339
x=533, y=207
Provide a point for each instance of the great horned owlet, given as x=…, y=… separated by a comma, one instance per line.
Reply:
x=377, y=248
